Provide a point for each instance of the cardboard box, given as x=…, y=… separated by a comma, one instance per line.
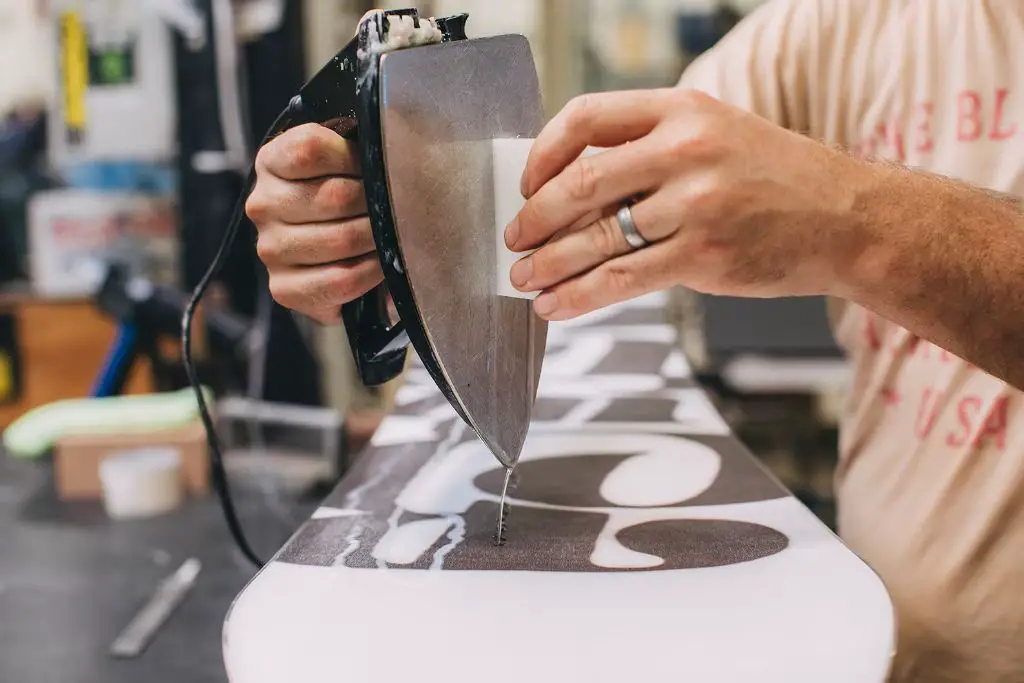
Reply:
x=76, y=459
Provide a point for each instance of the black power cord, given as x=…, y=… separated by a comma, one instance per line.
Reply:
x=218, y=473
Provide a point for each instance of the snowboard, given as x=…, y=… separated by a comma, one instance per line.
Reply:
x=644, y=542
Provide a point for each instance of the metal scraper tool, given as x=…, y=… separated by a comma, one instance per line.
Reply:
x=170, y=593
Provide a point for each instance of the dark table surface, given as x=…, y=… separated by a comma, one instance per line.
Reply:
x=71, y=580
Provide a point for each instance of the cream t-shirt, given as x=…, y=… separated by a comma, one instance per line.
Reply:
x=930, y=484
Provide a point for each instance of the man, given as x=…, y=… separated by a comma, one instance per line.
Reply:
x=932, y=464
x=930, y=479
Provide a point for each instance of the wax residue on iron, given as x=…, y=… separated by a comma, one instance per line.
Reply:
x=503, y=509
x=402, y=32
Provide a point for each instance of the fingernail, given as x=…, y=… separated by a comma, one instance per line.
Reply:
x=522, y=271
x=522, y=184
x=512, y=233
x=545, y=304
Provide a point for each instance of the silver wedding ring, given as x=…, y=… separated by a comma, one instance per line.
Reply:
x=634, y=239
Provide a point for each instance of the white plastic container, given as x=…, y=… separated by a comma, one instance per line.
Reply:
x=141, y=483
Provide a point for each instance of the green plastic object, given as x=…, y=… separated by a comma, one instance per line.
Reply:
x=33, y=434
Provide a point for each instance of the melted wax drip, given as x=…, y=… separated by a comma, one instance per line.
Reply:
x=503, y=507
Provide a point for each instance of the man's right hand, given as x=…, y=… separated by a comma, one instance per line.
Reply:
x=310, y=211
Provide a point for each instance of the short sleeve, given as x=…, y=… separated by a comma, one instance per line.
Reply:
x=768, y=62
x=775, y=63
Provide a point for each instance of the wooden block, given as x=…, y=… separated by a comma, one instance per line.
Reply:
x=76, y=459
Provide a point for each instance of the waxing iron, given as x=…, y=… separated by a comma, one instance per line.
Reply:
x=424, y=103
x=429, y=109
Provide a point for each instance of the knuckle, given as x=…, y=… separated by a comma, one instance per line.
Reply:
x=340, y=193
x=607, y=237
x=343, y=288
x=583, y=179
x=346, y=240
x=698, y=143
x=574, y=298
x=539, y=270
x=339, y=242
x=704, y=200
x=678, y=147
x=619, y=278
x=263, y=155
x=694, y=99
x=530, y=220
x=681, y=147
x=266, y=248
x=305, y=151
x=581, y=110
x=281, y=293
x=257, y=208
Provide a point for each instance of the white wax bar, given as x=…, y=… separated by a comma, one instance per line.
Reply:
x=509, y=160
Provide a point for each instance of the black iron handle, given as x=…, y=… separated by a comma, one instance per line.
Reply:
x=379, y=347
x=329, y=98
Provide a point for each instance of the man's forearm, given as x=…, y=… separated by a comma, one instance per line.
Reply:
x=944, y=260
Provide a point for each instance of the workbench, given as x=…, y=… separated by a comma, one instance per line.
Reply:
x=71, y=580
x=644, y=543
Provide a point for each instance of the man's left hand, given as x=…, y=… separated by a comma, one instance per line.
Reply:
x=728, y=202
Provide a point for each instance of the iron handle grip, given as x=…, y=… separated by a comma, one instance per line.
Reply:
x=334, y=98
x=378, y=347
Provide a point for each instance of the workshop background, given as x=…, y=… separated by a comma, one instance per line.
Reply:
x=125, y=130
